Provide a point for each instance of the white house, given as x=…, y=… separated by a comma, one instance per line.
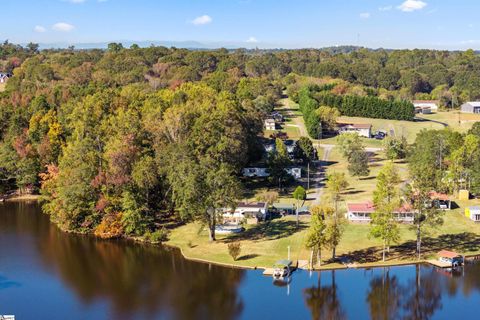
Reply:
x=471, y=107
x=4, y=77
x=426, y=106
x=246, y=210
x=269, y=147
x=473, y=213
x=270, y=124
x=362, y=212
x=363, y=130
x=290, y=145
x=295, y=172
x=255, y=172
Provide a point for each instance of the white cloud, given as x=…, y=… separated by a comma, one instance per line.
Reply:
x=40, y=29
x=252, y=40
x=202, y=20
x=63, y=27
x=365, y=15
x=412, y=5
x=387, y=8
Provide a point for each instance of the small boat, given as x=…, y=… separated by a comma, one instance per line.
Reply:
x=282, y=269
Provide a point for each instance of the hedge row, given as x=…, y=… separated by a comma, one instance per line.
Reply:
x=308, y=105
x=367, y=107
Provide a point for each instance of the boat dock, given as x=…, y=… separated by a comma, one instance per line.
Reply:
x=268, y=272
x=440, y=264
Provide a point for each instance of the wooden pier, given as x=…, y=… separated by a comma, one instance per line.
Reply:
x=440, y=264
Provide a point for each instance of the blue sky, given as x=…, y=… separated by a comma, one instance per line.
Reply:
x=444, y=24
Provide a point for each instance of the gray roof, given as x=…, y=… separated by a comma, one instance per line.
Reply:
x=253, y=205
x=474, y=103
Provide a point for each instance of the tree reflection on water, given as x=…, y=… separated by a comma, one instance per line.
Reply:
x=323, y=301
x=135, y=279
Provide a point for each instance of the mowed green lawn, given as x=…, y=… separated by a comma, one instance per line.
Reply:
x=361, y=189
x=2, y=86
x=264, y=244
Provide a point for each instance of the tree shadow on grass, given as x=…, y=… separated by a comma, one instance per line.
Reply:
x=248, y=257
x=368, y=178
x=270, y=230
x=462, y=242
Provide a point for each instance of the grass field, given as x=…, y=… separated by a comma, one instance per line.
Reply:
x=361, y=189
x=2, y=86
x=266, y=243
x=294, y=125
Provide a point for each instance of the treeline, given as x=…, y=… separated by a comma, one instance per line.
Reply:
x=311, y=98
x=368, y=106
x=118, y=139
x=447, y=161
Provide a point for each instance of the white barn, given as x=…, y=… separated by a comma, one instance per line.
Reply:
x=471, y=107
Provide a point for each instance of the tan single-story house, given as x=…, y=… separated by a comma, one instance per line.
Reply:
x=363, y=129
x=426, y=106
x=362, y=212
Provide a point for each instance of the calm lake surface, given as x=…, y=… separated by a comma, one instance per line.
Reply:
x=46, y=274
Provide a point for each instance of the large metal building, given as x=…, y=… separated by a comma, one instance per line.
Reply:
x=471, y=107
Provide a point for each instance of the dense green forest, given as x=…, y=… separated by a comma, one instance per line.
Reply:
x=118, y=139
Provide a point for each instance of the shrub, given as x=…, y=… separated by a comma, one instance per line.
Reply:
x=157, y=236
x=110, y=227
x=234, y=250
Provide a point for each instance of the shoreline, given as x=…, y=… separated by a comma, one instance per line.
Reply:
x=328, y=267
x=25, y=197
x=366, y=266
x=316, y=268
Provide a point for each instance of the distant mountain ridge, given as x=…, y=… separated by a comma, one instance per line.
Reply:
x=198, y=45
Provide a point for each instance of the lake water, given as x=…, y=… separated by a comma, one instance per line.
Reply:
x=47, y=274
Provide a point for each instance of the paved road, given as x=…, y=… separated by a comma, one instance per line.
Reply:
x=320, y=174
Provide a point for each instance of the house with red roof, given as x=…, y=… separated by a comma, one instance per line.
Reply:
x=362, y=212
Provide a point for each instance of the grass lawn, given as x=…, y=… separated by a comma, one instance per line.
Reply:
x=266, y=243
x=361, y=189
x=2, y=86
x=457, y=121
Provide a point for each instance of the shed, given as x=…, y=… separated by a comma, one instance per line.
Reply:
x=463, y=195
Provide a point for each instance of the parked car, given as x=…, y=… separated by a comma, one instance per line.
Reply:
x=380, y=135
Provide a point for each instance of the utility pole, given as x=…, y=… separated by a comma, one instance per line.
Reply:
x=308, y=176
